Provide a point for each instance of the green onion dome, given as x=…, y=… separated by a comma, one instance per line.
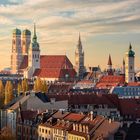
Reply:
x=130, y=52
x=26, y=32
x=17, y=31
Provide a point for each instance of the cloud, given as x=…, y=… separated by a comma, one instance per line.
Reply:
x=60, y=21
x=5, y=20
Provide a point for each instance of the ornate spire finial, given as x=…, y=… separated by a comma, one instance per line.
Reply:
x=109, y=61
x=79, y=38
x=130, y=46
x=34, y=37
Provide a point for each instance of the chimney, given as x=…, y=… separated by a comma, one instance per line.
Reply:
x=38, y=111
x=91, y=115
x=110, y=121
x=74, y=127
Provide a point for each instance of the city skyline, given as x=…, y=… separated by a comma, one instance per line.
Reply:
x=105, y=28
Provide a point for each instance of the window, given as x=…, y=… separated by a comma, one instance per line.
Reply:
x=46, y=131
x=42, y=130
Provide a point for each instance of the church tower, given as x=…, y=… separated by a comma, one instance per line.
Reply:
x=109, y=66
x=16, y=56
x=129, y=65
x=34, y=53
x=26, y=40
x=79, y=59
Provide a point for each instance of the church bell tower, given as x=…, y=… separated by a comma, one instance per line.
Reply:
x=79, y=59
x=16, y=56
x=130, y=65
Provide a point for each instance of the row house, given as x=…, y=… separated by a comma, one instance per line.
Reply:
x=101, y=104
x=70, y=126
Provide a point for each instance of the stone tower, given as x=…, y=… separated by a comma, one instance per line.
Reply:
x=79, y=59
x=26, y=40
x=33, y=57
x=16, y=56
x=130, y=65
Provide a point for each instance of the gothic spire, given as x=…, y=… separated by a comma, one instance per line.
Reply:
x=79, y=38
x=109, y=61
x=79, y=46
x=130, y=46
x=34, y=36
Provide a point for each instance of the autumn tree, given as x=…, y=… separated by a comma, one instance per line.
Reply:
x=24, y=85
x=40, y=85
x=44, y=86
x=1, y=94
x=8, y=92
x=19, y=88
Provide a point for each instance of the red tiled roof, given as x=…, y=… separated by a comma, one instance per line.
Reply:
x=52, y=66
x=133, y=84
x=130, y=107
x=54, y=73
x=110, y=81
x=46, y=72
x=60, y=114
x=74, y=117
x=50, y=61
x=55, y=61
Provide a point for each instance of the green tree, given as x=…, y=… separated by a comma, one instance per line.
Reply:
x=8, y=92
x=1, y=94
x=24, y=85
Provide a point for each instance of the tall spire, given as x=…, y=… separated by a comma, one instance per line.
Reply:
x=79, y=46
x=130, y=46
x=79, y=38
x=109, y=61
x=35, y=36
x=123, y=62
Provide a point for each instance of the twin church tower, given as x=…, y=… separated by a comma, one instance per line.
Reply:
x=22, y=46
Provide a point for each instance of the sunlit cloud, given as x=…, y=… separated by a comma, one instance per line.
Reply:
x=60, y=21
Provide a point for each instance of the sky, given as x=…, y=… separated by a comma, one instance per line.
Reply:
x=106, y=27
